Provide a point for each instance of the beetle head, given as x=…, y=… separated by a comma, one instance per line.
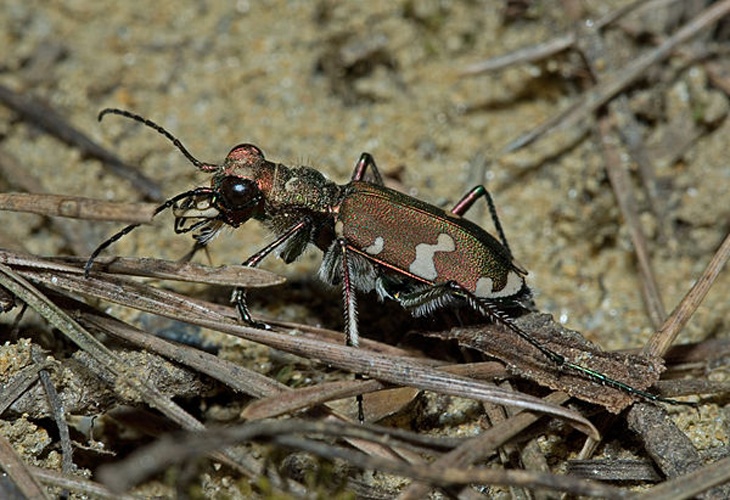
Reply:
x=234, y=197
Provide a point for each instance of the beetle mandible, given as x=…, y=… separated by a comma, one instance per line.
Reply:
x=373, y=239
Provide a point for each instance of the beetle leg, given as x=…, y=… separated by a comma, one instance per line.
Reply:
x=361, y=167
x=349, y=299
x=197, y=246
x=192, y=217
x=492, y=311
x=470, y=198
x=293, y=231
x=423, y=300
x=426, y=300
x=181, y=228
x=239, y=297
x=239, y=293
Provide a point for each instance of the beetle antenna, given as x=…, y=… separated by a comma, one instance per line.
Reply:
x=205, y=167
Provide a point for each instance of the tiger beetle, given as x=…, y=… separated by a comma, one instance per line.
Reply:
x=373, y=239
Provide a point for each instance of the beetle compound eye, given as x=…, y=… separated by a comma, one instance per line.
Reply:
x=238, y=200
x=238, y=194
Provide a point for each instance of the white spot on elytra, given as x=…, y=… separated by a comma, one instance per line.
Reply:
x=423, y=265
x=339, y=228
x=485, y=286
x=376, y=247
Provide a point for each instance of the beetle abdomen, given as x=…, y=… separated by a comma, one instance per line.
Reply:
x=425, y=242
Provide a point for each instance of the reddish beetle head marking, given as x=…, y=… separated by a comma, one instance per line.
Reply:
x=246, y=153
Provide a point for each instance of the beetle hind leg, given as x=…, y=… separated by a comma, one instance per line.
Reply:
x=470, y=198
x=361, y=168
x=423, y=300
x=426, y=299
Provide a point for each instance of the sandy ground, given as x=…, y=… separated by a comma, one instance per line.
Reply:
x=320, y=82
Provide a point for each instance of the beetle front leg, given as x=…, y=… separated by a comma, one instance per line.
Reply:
x=361, y=167
x=239, y=293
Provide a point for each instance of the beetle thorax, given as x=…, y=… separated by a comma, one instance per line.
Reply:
x=302, y=188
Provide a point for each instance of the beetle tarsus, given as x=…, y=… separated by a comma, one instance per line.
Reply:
x=239, y=298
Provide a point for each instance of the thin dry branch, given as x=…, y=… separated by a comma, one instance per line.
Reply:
x=690, y=485
x=127, y=378
x=174, y=449
x=544, y=50
x=392, y=369
x=673, y=451
x=482, y=446
x=521, y=358
x=76, y=484
x=594, y=99
x=149, y=268
x=39, y=302
x=47, y=118
x=58, y=412
x=77, y=207
x=621, y=185
x=660, y=342
x=19, y=473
